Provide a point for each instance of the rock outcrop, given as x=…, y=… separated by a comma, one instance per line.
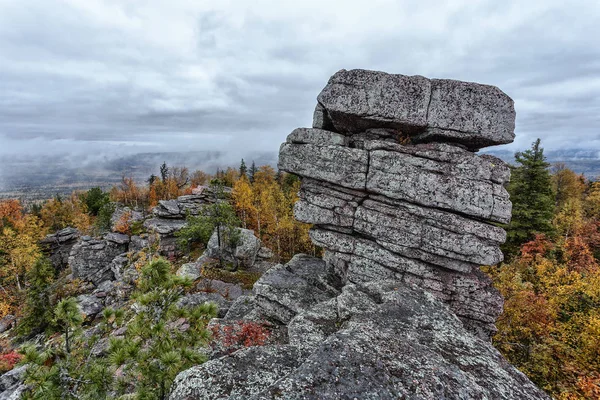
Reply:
x=394, y=191
x=398, y=307
x=380, y=340
x=91, y=259
x=57, y=247
x=248, y=254
x=170, y=216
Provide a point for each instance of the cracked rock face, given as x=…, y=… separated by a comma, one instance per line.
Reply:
x=90, y=259
x=398, y=307
x=380, y=340
x=393, y=190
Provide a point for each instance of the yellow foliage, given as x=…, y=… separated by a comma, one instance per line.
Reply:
x=60, y=213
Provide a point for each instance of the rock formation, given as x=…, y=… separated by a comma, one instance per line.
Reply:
x=58, y=246
x=170, y=215
x=248, y=254
x=405, y=211
x=90, y=259
x=394, y=191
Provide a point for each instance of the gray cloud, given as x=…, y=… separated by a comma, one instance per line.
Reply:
x=118, y=77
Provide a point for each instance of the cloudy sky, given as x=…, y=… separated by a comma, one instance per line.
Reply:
x=121, y=76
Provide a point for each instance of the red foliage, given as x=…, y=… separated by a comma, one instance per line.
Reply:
x=9, y=360
x=540, y=245
x=241, y=334
x=580, y=257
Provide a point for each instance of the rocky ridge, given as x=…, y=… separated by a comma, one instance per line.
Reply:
x=398, y=307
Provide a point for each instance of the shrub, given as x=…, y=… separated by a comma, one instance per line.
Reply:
x=9, y=360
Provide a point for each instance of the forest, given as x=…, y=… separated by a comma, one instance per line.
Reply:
x=550, y=279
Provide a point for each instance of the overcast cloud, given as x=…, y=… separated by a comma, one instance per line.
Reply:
x=124, y=76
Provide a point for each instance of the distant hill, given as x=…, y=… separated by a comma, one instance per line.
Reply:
x=41, y=178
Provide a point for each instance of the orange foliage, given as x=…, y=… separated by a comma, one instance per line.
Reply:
x=123, y=225
x=241, y=334
x=129, y=194
x=59, y=213
x=11, y=213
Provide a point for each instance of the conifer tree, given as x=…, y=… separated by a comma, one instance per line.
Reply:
x=243, y=168
x=253, y=171
x=157, y=346
x=38, y=312
x=164, y=172
x=532, y=198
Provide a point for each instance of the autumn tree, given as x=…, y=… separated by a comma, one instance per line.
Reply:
x=129, y=193
x=566, y=185
x=243, y=200
x=59, y=213
x=199, y=178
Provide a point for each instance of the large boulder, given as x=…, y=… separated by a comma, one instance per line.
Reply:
x=471, y=114
x=245, y=253
x=91, y=259
x=398, y=307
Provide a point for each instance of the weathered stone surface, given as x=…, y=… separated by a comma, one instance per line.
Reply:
x=321, y=119
x=241, y=308
x=138, y=243
x=58, y=246
x=336, y=164
x=245, y=373
x=196, y=299
x=245, y=252
x=125, y=215
x=459, y=185
x=89, y=305
x=11, y=383
x=381, y=340
x=284, y=290
x=356, y=100
x=317, y=137
x=90, y=259
x=471, y=114
x=117, y=238
x=7, y=322
x=189, y=270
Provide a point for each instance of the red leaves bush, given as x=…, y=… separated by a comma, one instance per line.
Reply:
x=240, y=334
x=9, y=360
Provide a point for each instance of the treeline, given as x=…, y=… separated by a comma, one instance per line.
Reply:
x=262, y=198
x=550, y=328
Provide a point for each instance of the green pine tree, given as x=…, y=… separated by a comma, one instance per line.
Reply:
x=243, y=168
x=253, y=171
x=532, y=198
x=38, y=312
x=157, y=345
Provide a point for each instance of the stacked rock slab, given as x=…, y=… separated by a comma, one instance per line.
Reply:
x=395, y=191
x=170, y=216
